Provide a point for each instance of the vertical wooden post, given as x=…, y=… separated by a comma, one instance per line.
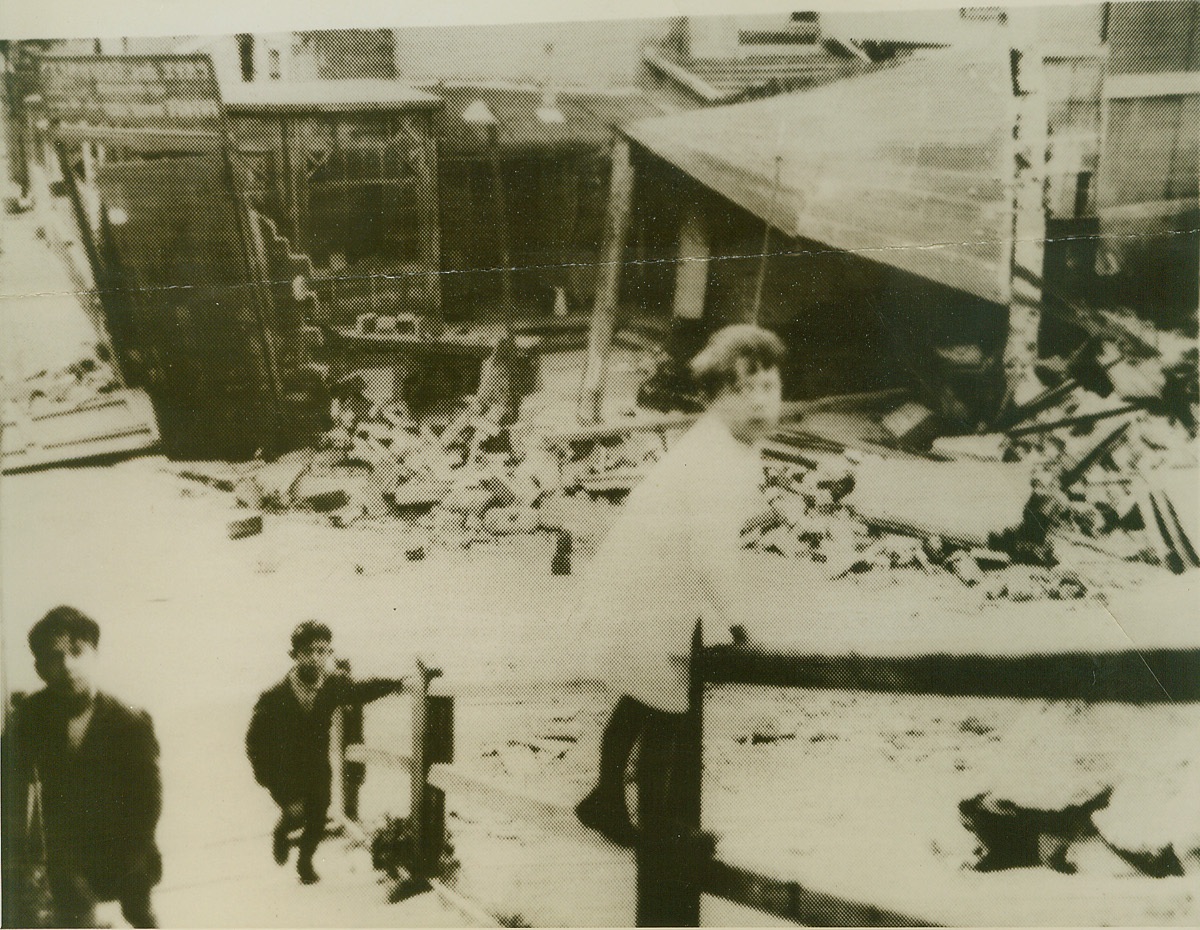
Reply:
x=1027, y=247
x=501, y=204
x=672, y=853
x=429, y=226
x=426, y=803
x=417, y=768
x=337, y=762
x=691, y=273
x=337, y=756
x=91, y=250
x=353, y=773
x=761, y=276
x=608, y=288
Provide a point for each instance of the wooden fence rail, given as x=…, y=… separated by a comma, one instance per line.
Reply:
x=675, y=859
x=1129, y=676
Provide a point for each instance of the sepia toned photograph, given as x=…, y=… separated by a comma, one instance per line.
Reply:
x=704, y=469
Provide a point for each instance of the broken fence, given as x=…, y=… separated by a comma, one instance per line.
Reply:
x=675, y=859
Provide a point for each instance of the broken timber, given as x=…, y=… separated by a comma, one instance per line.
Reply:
x=1026, y=248
x=604, y=313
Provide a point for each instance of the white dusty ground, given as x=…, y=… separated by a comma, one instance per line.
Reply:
x=861, y=801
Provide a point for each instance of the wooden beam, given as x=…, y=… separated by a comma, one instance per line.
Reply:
x=1134, y=676
x=1082, y=419
x=142, y=140
x=377, y=755
x=418, y=769
x=100, y=275
x=608, y=289
x=792, y=901
x=546, y=815
x=693, y=82
x=1026, y=249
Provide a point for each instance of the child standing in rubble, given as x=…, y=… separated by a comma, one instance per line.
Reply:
x=673, y=557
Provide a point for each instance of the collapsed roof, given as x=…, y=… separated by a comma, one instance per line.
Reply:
x=907, y=165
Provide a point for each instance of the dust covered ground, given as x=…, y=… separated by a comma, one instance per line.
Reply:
x=854, y=794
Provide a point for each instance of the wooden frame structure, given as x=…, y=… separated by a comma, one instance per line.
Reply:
x=1013, y=248
x=675, y=862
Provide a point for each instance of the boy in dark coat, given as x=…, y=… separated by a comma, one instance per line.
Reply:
x=288, y=739
x=97, y=762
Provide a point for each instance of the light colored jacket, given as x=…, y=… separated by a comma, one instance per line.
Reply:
x=673, y=557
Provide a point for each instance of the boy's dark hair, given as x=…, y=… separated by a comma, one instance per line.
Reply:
x=309, y=632
x=63, y=621
x=715, y=367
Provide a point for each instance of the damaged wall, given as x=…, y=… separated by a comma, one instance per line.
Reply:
x=1150, y=164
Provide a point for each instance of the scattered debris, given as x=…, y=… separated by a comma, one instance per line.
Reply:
x=66, y=388
x=1128, y=487
x=245, y=526
x=764, y=734
x=856, y=490
x=859, y=513
x=912, y=424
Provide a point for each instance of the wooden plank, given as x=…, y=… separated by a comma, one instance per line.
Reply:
x=1080, y=420
x=1075, y=471
x=142, y=140
x=604, y=312
x=1026, y=247
x=1130, y=676
x=793, y=901
x=546, y=815
x=693, y=82
x=377, y=755
x=792, y=410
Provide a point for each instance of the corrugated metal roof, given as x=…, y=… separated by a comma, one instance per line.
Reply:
x=907, y=165
x=325, y=96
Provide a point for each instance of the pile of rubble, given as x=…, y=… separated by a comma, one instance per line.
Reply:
x=454, y=473
x=1104, y=455
x=1107, y=460
x=815, y=514
x=67, y=388
x=1121, y=478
